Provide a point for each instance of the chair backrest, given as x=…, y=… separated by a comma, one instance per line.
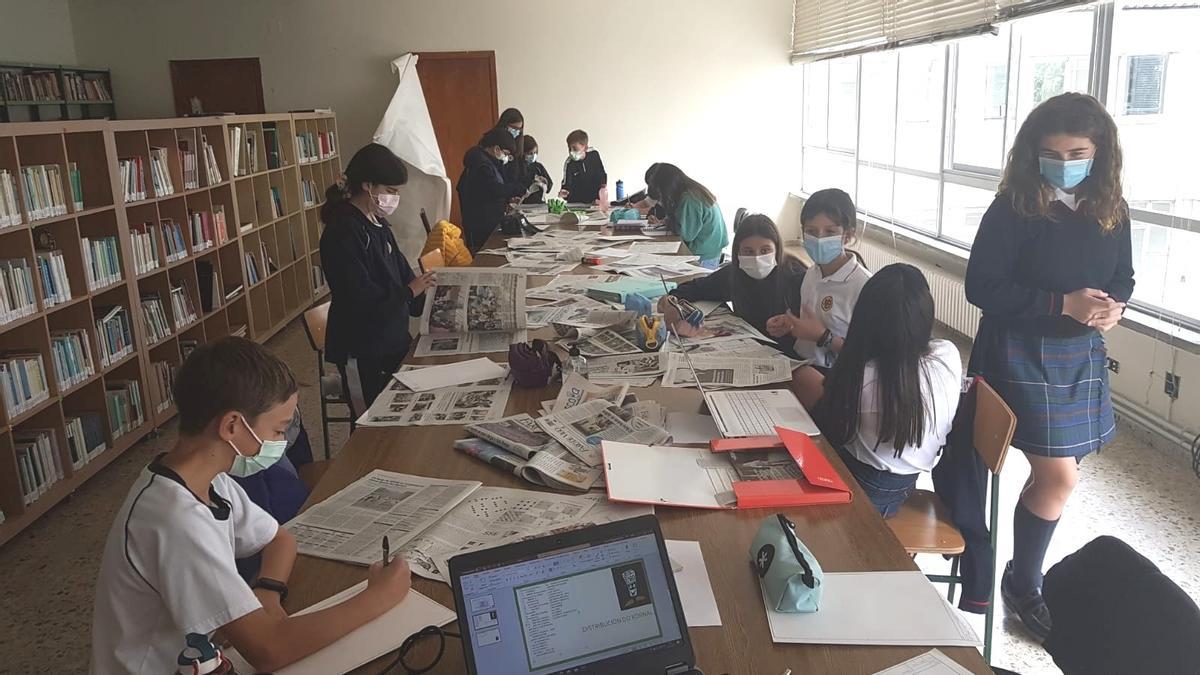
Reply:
x=425, y=222
x=995, y=424
x=315, y=321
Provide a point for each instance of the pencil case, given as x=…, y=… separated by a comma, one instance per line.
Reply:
x=790, y=575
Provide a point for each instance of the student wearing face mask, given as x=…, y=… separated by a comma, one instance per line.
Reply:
x=532, y=171
x=374, y=289
x=829, y=292
x=692, y=213
x=642, y=201
x=484, y=189
x=513, y=122
x=762, y=283
x=584, y=178
x=1052, y=269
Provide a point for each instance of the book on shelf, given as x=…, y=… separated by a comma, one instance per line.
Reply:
x=124, y=400
x=76, y=180
x=252, y=151
x=172, y=235
x=208, y=284
x=114, y=335
x=85, y=437
x=271, y=144
x=276, y=204
x=219, y=225
x=23, y=380
x=144, y=239
x=246, y=227
x=318, y=278
x=39, y=85
x=252, y=275
x=154, y=318
x=238, y=330
x=56, y=287
x=160, y=173
x=237, y=290
x=211, y=168
x=187, y=160
x=10, y=210
x=308, y=188
x=44, y=196
x=201, y=225
x=182, y=306
x=268, y=262
x=235, y=145
x=38, y=460
x=17, y=298
x=101, y=261
x=85, y=89
x=72, y=355
x=161, y=382
x=133, y=178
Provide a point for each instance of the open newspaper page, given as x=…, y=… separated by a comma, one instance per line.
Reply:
x=638, y=369
x=578, y=389
x=490, y=516
x=546, y=461
x=559, y=310
x=462, y=404
x=580, y=429
x=468, y=343
x=723, y=326
x=607, y=342
x=553, y=467
x=468, y=302
x=351, y=524
x=717, y=371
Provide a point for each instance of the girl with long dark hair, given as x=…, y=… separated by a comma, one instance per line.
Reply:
x=692, y=212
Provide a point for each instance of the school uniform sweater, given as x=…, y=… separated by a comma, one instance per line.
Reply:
x=368, y=277
x=754, y=300
x=583, y=179
x=483, y=194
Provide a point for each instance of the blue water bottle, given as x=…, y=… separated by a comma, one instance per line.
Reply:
x=620, y=190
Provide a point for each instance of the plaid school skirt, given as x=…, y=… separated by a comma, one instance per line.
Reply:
x=1057, y=386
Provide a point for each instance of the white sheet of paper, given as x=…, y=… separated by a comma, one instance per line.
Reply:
x=691, y=427
x=623, y=237
x=610, y=252
x=660, y=474
x=932, y=662
x=757, y=412
x=366, y=643
x=695, y=588
x=450, y=374
x=876, y=608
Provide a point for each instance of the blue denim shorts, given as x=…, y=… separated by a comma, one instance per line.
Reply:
x=886, y=490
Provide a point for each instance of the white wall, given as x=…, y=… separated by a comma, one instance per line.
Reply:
x=703, y=84
x=36, y=32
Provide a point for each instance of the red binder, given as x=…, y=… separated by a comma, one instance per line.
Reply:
x=821, y=483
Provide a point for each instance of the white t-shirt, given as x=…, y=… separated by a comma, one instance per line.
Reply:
x=941, y=385
x=831, y=299
x=169, y=570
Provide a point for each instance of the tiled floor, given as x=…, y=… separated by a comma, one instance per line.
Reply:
x=1147, y=497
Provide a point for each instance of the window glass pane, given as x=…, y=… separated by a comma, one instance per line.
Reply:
x=1052, y=52
x=816, y=100
x=823, y=169
x=980, y=101
x=1162, y=261
x=878, y=134
x=919, y=107
x=875, y=191
x=1155, y=67
x=843, y=103
x=916, y=202
x=962, y=209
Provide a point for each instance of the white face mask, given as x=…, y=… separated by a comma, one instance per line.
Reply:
x=577, y=155
x=387, y=202
x=757, y=266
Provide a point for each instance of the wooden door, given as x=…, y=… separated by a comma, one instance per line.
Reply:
x=460, y=92
x=210, y=86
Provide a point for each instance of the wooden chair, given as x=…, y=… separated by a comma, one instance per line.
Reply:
x=425, y=222
x=923, y=523
x=332, y=392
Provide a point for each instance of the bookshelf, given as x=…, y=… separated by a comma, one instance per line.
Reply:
x=33, y=92
x=156, y=223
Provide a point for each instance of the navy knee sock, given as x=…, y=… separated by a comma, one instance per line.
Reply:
x=1031, y=538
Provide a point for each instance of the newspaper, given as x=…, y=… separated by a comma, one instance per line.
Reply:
x=636, y=366
x=468, y=343
x=655, y=247
x=723, y=326
x=490, y=516
x=656, y=272
x=553, y=467
x=607, y=342
x=351, y=524
x=541, y=268
x=718, y=371
x=585, y=321
x=475, y=402
x=743, y=347
x=519, y=434
x=650, y=411
x=469, y=300
x=577, y=390
x=580, y=429
x=559, y=310
x=574, y=283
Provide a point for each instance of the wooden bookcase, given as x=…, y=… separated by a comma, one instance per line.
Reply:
x=290, y=237
x=84, y=105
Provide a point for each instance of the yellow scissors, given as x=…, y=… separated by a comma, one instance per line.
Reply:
x=649, y=326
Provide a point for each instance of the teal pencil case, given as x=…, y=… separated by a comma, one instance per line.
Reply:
x=790, y=575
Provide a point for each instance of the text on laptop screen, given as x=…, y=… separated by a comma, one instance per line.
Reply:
x=571, y=608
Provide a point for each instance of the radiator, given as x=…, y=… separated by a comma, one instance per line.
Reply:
x=949, y=296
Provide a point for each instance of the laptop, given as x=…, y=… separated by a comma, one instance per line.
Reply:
x=601, y=599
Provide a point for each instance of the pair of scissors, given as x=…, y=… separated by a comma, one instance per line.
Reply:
x=687, y=311
x=649, y=326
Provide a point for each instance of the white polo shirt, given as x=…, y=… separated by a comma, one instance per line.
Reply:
x=941, y=386
x=168, y=570
x=831, y=299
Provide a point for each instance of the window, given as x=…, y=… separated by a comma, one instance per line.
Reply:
x=1144, y=86
x=980, y=102
x=830, y=125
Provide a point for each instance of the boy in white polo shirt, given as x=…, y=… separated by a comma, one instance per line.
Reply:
x=168, y=567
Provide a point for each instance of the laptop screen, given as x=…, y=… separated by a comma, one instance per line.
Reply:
x=569, y=608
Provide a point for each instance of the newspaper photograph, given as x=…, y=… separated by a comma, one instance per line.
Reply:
x=586, y=321
x=580, y=429
x=541, y=316
x=519, y=434
x=577, y=390
x=396, y=406
x=724, y=326
x=606, y=342
x=471, y=300
x=554, y=467
x=626, y=367
x=489, y=516
x=650, y=411
x=350, y=525
x=468, y=343
x=725, y=371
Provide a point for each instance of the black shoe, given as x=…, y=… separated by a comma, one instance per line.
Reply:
x=1030, y=606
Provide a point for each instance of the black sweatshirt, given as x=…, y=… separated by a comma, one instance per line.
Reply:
x=754, y=300
x=368, y=277
x=484, y=191
x=1020, y=268
x=583, y=179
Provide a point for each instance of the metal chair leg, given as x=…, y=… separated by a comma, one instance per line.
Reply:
x=953, y=578
x=324, y=404
x=989, y=618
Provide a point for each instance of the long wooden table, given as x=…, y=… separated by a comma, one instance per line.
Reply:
x=844, y=538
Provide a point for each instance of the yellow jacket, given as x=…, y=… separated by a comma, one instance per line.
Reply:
x=448, y=237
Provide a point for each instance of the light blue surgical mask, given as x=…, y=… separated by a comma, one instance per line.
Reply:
x=824, y=250
x=1064, y=174
x=531, y=158
x=514, y=131
x=269, y=452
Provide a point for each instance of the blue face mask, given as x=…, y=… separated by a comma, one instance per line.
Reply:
x=824, y=250
x=515, y=132
x=531, y=158
x=1064, y=174
x=269, y=452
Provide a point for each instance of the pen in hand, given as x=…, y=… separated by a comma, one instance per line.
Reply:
x=387, y=558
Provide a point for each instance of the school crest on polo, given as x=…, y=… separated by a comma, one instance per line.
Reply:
x=827, y=303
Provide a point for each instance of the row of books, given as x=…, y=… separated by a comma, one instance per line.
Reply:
x=276, y=204
x=318, y=278
x=308, y=191
x=114, y=335
x=80, y=88
x=101, y=261
x=56, y=287
x=17, y=299
x=10, y=210
x=252, y=272
x=208, y=229
x=71, y=353
x=187, y=160
x=271, y=142
x=244, y=145
x=315, y=146
x=144, y=239
x=43, y=189
x=133, y=178
x=160, y=173
x=212, y=169
x=154, y=318
x=182, y=306
x=23, y=381
x=38, y=461
x=173, y=240
x=36, y=86
x=124, y=400
x=161, y=384
x=85, y=437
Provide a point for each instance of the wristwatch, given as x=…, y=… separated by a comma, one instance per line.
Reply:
x=826, y=339
x=272, y=585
